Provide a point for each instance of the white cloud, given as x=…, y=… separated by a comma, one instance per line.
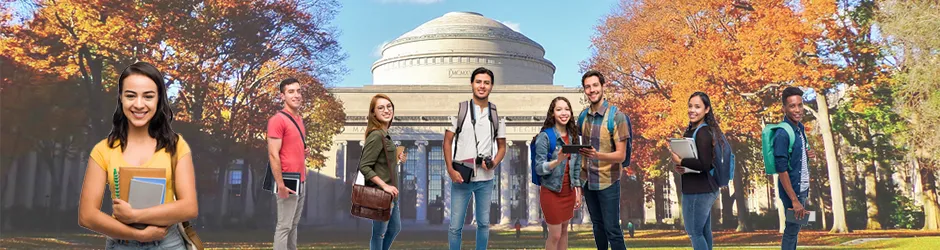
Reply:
x=512, y=25
x=412, y=1
x=377, y=51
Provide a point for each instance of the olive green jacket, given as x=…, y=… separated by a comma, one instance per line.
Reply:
x=375, y=161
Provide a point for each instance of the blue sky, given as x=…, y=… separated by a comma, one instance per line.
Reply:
x=563, y=28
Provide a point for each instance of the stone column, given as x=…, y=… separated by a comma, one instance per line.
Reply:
x=422, y=175
x=65, y=183
x=340, y=160
x=505, y=186
x=30, y=181
x=9, y=195
x=532, y=200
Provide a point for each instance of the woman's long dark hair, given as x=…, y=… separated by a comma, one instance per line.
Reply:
x=159, y=127
x=571, y=127
x=709, y=118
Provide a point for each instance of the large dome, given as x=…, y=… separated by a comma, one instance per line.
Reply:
x=444, y=51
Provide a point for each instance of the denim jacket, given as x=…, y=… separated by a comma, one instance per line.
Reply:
x=552, y=178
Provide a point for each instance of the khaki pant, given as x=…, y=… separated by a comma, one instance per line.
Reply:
x=288, y=216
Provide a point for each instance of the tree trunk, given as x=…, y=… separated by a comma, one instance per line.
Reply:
x=659, y=200
x=835, y=183
x=822, y=210
x=931, y=208
x=679, y=222
x=740, y=198
x=727, y=210
x=871, y=195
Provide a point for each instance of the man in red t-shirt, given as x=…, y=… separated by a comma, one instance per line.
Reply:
x=287, y=153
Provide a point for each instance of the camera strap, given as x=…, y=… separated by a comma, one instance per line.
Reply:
x=476, y=142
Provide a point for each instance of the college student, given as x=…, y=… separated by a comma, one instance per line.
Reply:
x=560, y=194
x=602, y=163
x=474, y=133
x=140, y=137
x=287, y=154
x=792, y=164
x=380, y=169
x=699, y=187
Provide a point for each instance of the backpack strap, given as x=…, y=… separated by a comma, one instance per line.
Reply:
x=551, y=141
x=611, y=116
x=461, y=116
x=494, y=119
x=790, y=135
x=696, y=130
x=581, y=118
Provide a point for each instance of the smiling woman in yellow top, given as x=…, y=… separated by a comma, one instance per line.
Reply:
x=140, y=136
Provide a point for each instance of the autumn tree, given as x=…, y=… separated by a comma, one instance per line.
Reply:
x=222, y=61
x=910, y=27
x=657, y=53
x=217, y=53
x=84, y=40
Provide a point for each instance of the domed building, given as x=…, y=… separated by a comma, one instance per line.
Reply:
x=445, y=50
x=426, y=73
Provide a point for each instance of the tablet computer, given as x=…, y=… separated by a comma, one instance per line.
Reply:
x=791, y=218
x=683, y=147
x=573, y=149
x=291, y=181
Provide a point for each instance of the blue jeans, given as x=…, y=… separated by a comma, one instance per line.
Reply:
x=792, y=230
x=459, y=199
x=604, y=207
x=384, y=232
x=696, y=214
x=172, y=240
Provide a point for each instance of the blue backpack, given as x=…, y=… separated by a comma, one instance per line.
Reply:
x=611, y=112
x=723, y=166
x=551, y=150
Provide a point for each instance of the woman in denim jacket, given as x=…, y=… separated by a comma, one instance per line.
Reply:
x=560, y=176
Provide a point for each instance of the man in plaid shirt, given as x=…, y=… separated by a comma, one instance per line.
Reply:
x=602, y=164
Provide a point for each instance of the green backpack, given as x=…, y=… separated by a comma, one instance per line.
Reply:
x=767, y=144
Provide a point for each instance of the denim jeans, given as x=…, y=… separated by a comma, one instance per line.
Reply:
x=173, y=240
x=460, y=198
x=384, y=232
x=696, y=214
x=792, y=230
x=604, y=207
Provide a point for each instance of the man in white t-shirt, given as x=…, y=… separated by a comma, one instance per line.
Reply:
x=471, y=164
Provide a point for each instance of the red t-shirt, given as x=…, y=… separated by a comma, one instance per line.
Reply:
x=292, y=145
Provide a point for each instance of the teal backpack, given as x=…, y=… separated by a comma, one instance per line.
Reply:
x=767, y=144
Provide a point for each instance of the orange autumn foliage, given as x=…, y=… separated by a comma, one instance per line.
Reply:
x=658, y=52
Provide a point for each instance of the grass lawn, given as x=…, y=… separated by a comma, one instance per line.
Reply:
x=437, y=239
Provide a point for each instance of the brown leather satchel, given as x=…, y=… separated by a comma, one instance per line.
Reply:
x=373, y=202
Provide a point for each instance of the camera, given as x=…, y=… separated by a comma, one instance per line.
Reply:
x=481, y=159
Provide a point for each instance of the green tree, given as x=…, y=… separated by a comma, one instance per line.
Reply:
x=911, y=29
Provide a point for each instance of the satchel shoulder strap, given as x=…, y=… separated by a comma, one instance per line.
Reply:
x=173, y=161
x=303, y=137
x=389, y=164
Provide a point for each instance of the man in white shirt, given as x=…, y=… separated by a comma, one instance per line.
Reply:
x=471, y=164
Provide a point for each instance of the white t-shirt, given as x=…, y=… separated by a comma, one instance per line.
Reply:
x=485, y=144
